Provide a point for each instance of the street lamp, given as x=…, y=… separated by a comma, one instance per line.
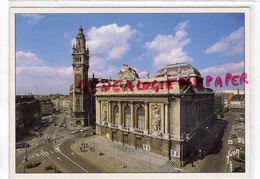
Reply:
x=113, y=154
x=25, y=155
x=149, y=162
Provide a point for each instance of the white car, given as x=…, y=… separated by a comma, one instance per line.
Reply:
x=230, y=142
x=74, y=132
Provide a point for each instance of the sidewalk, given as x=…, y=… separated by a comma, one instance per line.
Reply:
x=115, y=155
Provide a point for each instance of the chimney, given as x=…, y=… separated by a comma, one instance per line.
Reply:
x=238, y=91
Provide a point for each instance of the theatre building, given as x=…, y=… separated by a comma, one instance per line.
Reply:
x=167, y=114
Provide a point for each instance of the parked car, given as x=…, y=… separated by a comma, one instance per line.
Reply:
x=75, y=132
x=240, y=130
x=230, y=142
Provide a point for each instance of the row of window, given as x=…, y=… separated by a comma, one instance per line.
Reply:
x=77, y=59
x=140, y=116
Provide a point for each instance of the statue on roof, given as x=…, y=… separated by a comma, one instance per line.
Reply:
x=127, y=73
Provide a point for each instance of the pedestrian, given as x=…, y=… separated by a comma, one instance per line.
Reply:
x=192, y=164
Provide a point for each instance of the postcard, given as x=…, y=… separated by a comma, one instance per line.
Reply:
x=130, y=91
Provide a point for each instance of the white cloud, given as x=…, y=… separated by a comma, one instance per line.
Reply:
x=43, y=79
x=117, y=52
x=27, y=59
x=101, y=69
x=143, y=74
x=110, y=41
x=232, y=44
x=32, y=18
x=221, y=70
x=33, y=75
x=42, y=86
x=44, y=72
x=170, y=48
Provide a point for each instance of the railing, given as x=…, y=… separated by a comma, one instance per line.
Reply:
x=125, y=128
x=113, y=125
x=139, y=131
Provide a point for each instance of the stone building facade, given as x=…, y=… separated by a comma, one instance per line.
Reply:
x=166, y=115
x=28, y=114
x=237, y=103
x=218, y=102
x=47, y=107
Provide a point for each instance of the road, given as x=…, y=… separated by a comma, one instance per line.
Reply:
x=217, y=162
x=55, y=145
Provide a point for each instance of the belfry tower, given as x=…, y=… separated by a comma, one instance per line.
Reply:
x=80, y=64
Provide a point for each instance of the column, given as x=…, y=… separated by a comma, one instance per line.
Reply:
x=100, y=112
x=120, y=113
x=163, y=119
x=146, y=109
x=109, y=112
x=97, y=111
x=166, y=117
x=132, y=114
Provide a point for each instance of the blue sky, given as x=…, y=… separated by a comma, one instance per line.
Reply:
x=212, y=43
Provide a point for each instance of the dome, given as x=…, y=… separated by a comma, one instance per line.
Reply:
x=183, y=69
x=81, y=34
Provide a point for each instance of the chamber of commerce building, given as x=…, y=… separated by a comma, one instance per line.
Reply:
x=167, y=114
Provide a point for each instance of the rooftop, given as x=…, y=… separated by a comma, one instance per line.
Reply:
x=178, y=69
x=238, y=97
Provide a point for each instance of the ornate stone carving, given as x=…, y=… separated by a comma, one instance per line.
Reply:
x=127, y=73
x=156, y=112
x=104, y=111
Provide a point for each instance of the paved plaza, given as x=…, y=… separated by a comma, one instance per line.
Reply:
x=115, y=157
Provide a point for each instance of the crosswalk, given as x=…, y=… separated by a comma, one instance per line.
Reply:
x=44, y=153
x=47, y=136
x=169, y=167
x=50, y=137
x=56, y=144
x=55, y=138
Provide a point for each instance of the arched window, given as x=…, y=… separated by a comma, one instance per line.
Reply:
x=140, y=118
x=127, y=116
x=116, y=115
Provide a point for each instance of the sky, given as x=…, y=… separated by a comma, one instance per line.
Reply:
x=212, y=43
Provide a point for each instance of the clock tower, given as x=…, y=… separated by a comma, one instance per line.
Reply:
x=80, y=64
